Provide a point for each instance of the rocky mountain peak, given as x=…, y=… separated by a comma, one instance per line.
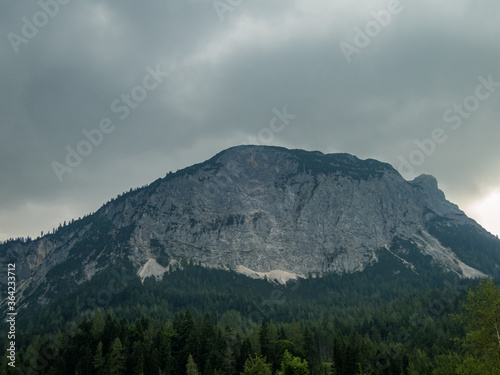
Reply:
x=429, y=183
x=269, y=211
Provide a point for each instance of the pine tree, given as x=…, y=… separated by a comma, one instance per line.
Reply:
x=138, y=358
x=191, y=368
x=207, y=338
x=117, y=358
x=98, y=324
x=228, y=362
x=310, y=353
x=99, y=359
x=245, y=352
x=264, y=340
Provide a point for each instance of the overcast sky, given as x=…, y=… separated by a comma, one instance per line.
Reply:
x=160, y=85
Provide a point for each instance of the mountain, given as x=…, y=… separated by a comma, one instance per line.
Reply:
x=264, y=212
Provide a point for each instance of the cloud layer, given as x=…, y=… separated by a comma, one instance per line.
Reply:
x=231, y=64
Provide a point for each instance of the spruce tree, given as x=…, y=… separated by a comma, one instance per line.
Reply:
x=99, y=359
x=191, y=368
x=117, y=358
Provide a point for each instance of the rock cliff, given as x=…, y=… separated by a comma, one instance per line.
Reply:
x=263, y=211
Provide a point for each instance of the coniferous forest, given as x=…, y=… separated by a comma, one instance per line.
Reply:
x=204, y=321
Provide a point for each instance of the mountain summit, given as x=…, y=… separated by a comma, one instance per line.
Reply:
x=265, y=212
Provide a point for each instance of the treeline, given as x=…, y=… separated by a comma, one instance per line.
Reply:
x=373, y=322
x=199, y=345
x=374, y=303
x=103, y=344
x=55, y=230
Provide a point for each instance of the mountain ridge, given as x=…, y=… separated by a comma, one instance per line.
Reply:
x=264, y=209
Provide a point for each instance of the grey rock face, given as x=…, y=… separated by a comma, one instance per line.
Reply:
x=263, y=208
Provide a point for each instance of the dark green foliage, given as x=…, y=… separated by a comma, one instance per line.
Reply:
x=384, y=322
x=191, y=368
x=256, y=366
x=474, y=247
x=481, y=319
x=311, y=354
x=291, y=365
x=116, y=358
x=265, y=349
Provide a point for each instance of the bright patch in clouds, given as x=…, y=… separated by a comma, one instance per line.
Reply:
x=487, y=211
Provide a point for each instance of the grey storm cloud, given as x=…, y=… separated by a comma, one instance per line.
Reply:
x=232, y=64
